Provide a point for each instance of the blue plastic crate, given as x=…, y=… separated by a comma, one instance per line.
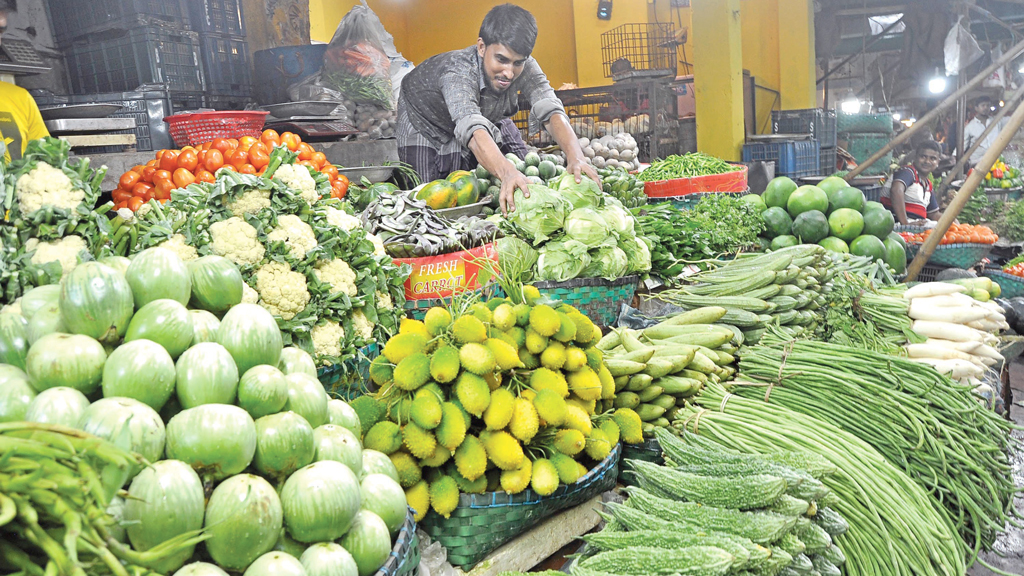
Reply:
x=819, y=123
x=226, y=64
x=124, y=61
x=793, y=158
x=217, y=16
x=74, y=19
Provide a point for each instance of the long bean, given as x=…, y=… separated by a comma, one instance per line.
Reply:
x=686, y=166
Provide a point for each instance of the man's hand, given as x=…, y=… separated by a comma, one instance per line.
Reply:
x=510, y=180
x=578, y=167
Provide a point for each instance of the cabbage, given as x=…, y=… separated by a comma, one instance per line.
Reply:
x=638, y=254
x=587, y=226
x=586, y=194
x=608, y=262
x=540, y=215
x=619, y=220
x=561, y=261
x=515, y=255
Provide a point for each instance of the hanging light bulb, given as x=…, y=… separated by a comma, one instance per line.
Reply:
x=937, y=85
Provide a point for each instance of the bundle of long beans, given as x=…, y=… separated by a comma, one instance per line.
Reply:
x=55, y=486
x=930, y=426
x=859, y=315
x=895, y=527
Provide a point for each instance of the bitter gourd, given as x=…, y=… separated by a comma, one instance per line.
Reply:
x=742, y=493
x=830, y=521
x=647, y=561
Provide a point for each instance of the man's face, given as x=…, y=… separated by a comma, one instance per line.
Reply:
x=927, y=161
x=501, y=64
x=3, y=22
x=983, y=109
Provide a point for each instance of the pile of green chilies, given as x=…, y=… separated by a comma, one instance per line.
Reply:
x=55, y=487
x=686, y=166
x=930, y=426
x=895, y=527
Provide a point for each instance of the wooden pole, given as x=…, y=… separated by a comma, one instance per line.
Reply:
x=938, y=110
x=964, y=194
x=1007, y=106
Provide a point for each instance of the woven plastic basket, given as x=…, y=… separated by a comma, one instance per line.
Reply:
x=1012, y=286
x=648, y=451
x=198, y=127
x=483, y=522
x=597, y=298
x=346, y=380
x=405, y=556
x=417, y=309
x=954, y=255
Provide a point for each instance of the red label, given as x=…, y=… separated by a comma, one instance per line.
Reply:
x=435, y=277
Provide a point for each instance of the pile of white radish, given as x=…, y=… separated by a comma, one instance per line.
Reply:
x=961, y=331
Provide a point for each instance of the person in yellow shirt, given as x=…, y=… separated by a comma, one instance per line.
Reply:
x=20, y=120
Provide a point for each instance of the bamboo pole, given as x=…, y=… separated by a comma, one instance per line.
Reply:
x=1007, y=106
x=964, y=194
x=938, y=110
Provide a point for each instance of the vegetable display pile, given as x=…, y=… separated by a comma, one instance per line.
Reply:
x=658, y=368
x=623, y=186
x=538, y=169
x=1015, y=266
x=612, y=151
x=578, y=232
x=173, y=169
x=409, y=229
x=235, y=434
x=490, y=396
x=686, y=166
x=716, y=511
x=716, y=226
x=1002, y=177
x=957, y=234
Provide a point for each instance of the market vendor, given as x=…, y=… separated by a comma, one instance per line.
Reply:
x=453, y=106
x=910, y=197
x=20, y=120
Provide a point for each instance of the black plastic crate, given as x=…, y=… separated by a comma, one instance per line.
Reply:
x=124, y=61
x=148, y=108
x=828, y=161
x=819, y=123
x=639, y=50
x=216, y=16
x=226, y=64
x=72, y=19
x=227, y=102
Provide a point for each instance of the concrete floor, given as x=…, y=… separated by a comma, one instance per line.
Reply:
x=1009, y=548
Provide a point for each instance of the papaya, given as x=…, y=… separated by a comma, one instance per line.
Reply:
x=466, y=185
x=439, y=194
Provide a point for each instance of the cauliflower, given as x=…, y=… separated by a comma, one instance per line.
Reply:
x=342, y=219
x=384, y=301
x=362, y=325
x=65, y=251
x=282, y=291
x=45, y=185
x=143, y=210
x=12, y=308
x=249, y=296
x=296, y=235
x=177, y=245
x=297, y=178
x=327, y=339
x=338, y=274
x=236, y=240
x=378, y=245
x=250, y=202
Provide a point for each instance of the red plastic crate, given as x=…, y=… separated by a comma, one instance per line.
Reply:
x=728, y=182
x=198, y=127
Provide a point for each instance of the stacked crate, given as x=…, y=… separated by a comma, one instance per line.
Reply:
x=862, y=135
x=224, y=50
x=820, y=124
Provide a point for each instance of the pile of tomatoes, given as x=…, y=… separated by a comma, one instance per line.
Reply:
x=957, y=234
x=173, y=169
x=1015, y=269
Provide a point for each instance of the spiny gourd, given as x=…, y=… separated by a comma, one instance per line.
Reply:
x=409, y=472
x=411, y=326
x=545, y=379
x=381, y=371
x=440, y=456
x=477, y=358
x=566, y=330
x=493, y=380
x=493, y=303
x=402, y=345
x=544, y=479
x=437, y=320
x=530, y=361
x=478, y=486
x=544, y=320
x=525, y=422
x=451, y=432
x=553, y=357
x=516, y=480
x=598, y=446
x=566, y=468
x=419, y=442
x=444, y=364
x=502, y=449
x=385, y=437
x=570, y=441
x=577, y=419
x=607, y=383
x=595, y=358
x=522, y=314
x=413, y=371
x=611, y=431
x=518, y=336
x=535, y=343
x=499, y=412
x=588, y=406
x=468, y=329
x=473, y=393
x=585, y=329
x=630, y=425
x=495, y=334
x=369, y=410
x=444, y=495
x=550, y=407
x=505, y=355
x=586, y=384
x=418, y=497
x=574, y=359
x=471, y=458
x=531, y=294
x=482, y=312
x=399, y=411
x=504, y=317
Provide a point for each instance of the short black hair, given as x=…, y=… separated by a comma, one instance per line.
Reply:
x=929, y=145
x=511, y=26
x=984, y=100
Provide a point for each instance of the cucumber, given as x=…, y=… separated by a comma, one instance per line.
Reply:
x=674, y=350
x=702, y=363
x=609, y=341
x=677, y=385
x=661, y=422
x=712, y=338
x=704, y=315
x=630, y=342
x=626, y=400
x=623, y=367
x=648, y=412
x=648, y=394
x=621, y=382
x=638, y=382
x=658, y=367
x=641, y=355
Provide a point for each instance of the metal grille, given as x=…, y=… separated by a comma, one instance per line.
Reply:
x=639, y=50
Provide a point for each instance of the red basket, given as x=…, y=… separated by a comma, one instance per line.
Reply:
x=198, y=127
x=728, y=182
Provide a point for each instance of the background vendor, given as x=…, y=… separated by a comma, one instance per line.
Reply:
x=451, y=105
x=911, y=196
x=20, y=120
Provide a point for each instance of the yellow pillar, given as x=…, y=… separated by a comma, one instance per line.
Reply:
x=798, y=73
x=718, y=60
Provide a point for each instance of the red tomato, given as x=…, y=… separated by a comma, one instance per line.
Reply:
x=162, y=175
x=270, y=138
x=119, y=195
x=152, y=163
x=221, y=144
x=343, y=178
x=148, y=172
x=141, y=189
x=318, y=159
x=129, y=179
x=169, y=160
x=138, y=168
x=183, y=177
x=331, y=171
x=163, y=189
x=247, y=169
x=214, y=160
x=259, y=156
x=205, y=176
x=305, y=151
x=121, y=204
x=229, y=167
x=291, y=140
x=238, y=158
x=135, y=202
x=246, y=142
x=188, y=160
x=339, y=189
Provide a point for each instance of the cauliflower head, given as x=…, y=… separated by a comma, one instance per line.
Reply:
x=45, y=185
x=378, y=245
x=338, y=274
x=342, y=219
x=296, y=235
x=12, y=308
x=178, y=245
x=282, y=290
x=65, y=251
x=249, y=296
x=327, y=338
x=250, y=202
x=297, y=178
x=362, y=324
x=236, y=240
x=384, y=301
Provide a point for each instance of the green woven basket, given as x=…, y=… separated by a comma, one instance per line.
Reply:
x=483, y=522
x=954, y=255
x=597, y=298
x=417, y=309
x=648, y=451
x=405, y=556
x=347, y=379
x=880, y=123
x=1012, y=286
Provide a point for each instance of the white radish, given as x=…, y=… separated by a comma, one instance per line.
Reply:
x=985, y=325
x=936, y=353
x=942, y=301
x=955, y=369
x=987, y=351
x=932, y=289
x=947, y=331
x=956, y=315
x=967, y=347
